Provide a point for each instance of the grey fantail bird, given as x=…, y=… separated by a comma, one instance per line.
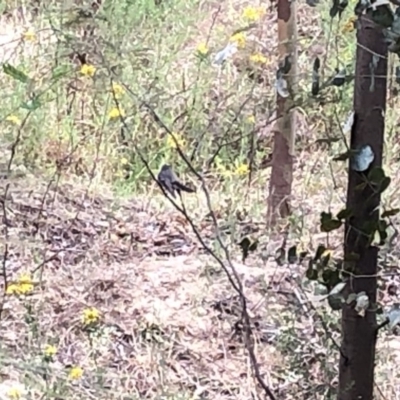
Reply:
x=171, y=183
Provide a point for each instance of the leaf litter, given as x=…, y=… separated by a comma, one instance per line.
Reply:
x=169, y=320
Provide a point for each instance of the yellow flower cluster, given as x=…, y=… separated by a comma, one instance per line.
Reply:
x=258, y=58
x=202, y=49
x=242, y=169
x=115, y=113
x=13, y=119
x=50, y=350
x=117, y=90
x=239, y=39
x=90, y=316
x=88, y=70
x=75, y=373
x=180, y=141
x=24, y=285
x=253, y=13
x=29, y=35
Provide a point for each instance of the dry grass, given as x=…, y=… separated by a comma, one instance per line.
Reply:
x=91, y=238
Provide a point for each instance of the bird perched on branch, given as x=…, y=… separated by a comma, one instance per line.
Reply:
x=171, y=183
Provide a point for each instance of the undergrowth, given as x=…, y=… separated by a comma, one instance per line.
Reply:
x=93, y=308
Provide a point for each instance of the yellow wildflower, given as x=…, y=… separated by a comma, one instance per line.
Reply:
x=124, y=161
x=29, y=35
x=13, y=119
x=258, y=58
x=181, y=142
x=239, y=39
x=14, y=393
x=75, y=373
x=251, y=119
x=24, y=285
x=253, y=13
x=117, y=90
x=242, y=169
x=202, y=49
x=88, y=70
x=116, y=112
x=349, y=25
x=90, y=316
x=50, y=350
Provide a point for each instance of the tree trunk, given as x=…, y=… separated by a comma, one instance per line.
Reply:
x=356, y=375
x=280, y=186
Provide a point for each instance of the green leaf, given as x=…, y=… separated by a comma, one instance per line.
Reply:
x=328, y=223
x=335, y=302
x=390, y=213
x=292, y=255
x=59, y=71
x=311, y=273
x=343, y=156
x=361, y=186
x=344, y=214
x=331, y=277
x=383, y=16
x=384, y=184
x=376, y=175
x=320, y=250
x=32, y=104
x=369, y=227
x=15, y=73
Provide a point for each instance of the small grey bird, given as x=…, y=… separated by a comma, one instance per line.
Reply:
x=170, y=182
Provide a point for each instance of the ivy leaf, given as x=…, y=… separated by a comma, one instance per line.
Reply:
x=15, y=73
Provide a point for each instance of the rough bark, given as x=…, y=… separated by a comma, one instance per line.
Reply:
x=280, y=186
x=356, y=376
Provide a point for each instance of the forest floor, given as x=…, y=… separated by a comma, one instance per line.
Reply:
x=115, y=295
